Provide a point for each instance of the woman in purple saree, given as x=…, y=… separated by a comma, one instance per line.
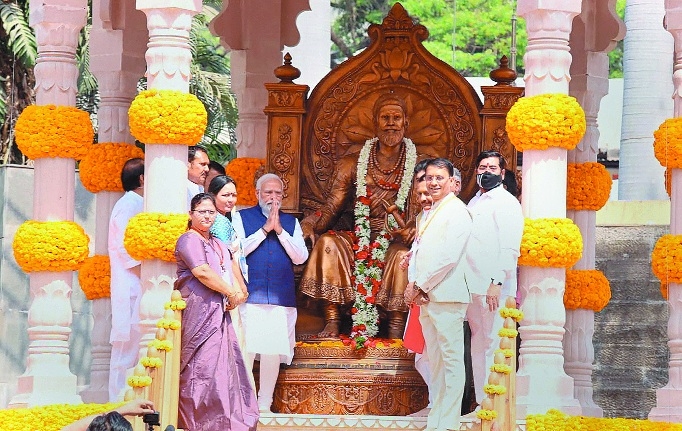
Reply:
x=215, y=393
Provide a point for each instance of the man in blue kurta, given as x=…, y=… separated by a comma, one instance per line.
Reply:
x=273, y=243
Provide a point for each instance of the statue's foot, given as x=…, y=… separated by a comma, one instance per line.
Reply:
x=331, y=330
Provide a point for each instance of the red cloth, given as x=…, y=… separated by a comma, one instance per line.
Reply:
x=414, y=337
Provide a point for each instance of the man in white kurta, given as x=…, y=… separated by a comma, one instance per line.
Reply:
x=441, y=291
x=197, y=171
x=495, y=243
x=125, y=281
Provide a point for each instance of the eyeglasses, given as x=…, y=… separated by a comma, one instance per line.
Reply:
x=204, y=212
x=438, y=178
x=491, y=168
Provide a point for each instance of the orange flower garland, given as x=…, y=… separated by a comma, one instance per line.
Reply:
x=167, y=117
x=588, y=289
x=243, y=170
x=94, y=277
x=54, y=131
x=588, y=187
x=550, y=242
x=668, y=143
x=50, y=246
x=666, y=259
x=546, y=120
x=152, y=235
x=100, y=169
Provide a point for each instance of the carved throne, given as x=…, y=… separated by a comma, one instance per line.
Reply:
x=307, y=136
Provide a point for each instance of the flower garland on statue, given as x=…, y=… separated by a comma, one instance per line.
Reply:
x=370, y=256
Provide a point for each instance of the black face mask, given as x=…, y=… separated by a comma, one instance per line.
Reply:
x=488, y=181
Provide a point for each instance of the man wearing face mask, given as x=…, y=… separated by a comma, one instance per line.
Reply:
x=273, y=243
x=493, y=252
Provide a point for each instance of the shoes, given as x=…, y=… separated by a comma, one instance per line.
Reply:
x=421, y=413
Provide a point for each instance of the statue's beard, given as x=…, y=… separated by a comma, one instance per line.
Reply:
x=391, y=137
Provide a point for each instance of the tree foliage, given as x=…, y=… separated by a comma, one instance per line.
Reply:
x=480, y=31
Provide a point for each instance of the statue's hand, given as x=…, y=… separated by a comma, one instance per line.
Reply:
x=308, y=232
x=404, y=235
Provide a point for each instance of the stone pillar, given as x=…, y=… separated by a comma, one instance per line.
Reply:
x=47, y=379
x=669, y=398
x=255, y=32
x=165, y=188
x=541, y=381
x=117, y=61
x=595, y=32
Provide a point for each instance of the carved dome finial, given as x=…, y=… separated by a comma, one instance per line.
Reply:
x=503, y=75
x=287, y=72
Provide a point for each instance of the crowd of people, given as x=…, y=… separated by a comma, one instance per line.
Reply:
x=447, y=262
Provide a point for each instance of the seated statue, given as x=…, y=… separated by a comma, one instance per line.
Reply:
x=378, y=182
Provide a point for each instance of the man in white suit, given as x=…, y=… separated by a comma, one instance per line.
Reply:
x=441, y=290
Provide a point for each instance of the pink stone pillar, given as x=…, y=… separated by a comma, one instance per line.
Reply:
x=541, y=381
x=117, y=61
x=165, y=188
x=669, y=398
x=47, y=379
x=595, y=32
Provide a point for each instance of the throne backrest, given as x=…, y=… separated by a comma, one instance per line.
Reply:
x=446, y=116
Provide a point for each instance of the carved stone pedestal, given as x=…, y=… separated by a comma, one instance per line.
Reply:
x=342, y=381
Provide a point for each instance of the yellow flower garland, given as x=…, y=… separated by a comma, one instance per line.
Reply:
x=165, y=345
x=666, y=259
x=175, y=305
x=550, y=242
x=243, y=171
x=494, y=389
x=50, y=246
x=139, y=381
x=588, y=187
x=100, y=169
x=153, y=235
x=486, y=415
x=168, y=324
x=54, y=131
x=546, y=120
x=94, y=277
x=52, y=417
x=508, y=333
x=668, y=143
x=588, y=289
x=500, y=368
x=167, y=117
x=556, y=420
x=148, y=362
x=508, y=353
x=514, y=313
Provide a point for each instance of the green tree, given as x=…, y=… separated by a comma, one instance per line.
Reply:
x=616, y=56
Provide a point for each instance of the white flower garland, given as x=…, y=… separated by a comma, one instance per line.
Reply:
x=370, y=257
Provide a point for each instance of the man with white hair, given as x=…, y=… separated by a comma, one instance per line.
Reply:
x=273, y=243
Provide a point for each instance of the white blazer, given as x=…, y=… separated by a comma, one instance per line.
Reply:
x=440, y=259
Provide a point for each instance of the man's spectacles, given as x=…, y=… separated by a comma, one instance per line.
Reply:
x=491, y=168
x=438, y=178
x=204, y=212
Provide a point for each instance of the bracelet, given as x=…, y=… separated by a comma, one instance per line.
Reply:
x=264, y=231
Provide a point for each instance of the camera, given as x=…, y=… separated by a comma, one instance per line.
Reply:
x=152, y=420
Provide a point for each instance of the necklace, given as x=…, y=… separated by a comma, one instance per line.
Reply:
x=217, y=251
x=375, y=162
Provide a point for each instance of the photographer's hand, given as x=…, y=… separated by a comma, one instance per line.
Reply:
x=136, y=408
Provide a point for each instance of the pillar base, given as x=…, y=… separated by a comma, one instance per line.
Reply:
x=40, y=390
x=668, y=406
x=555, y=393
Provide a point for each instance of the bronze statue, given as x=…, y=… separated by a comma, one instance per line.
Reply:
x=339, y=262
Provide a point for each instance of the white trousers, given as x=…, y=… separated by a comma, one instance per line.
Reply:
x=443, y=327
x=485, y=325
x=421, y=364
x=123, y=358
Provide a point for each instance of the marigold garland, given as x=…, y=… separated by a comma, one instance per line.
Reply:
x=165, y=345
x=514, y=313
x=588, y=187
x=508, y=333
x=668, y=143
x=546, y=120
x=666, y=259
x=139, y=381
x=149, y=362
x=167, y=117
x=173, y=324
x=52, y=417
x=500, y=368
x=508, y=353
x=556, y=420
x=50, y=246
x=175, y=305
x=494, y=389
x=94, y=277
x=54, y=131
x=100, y=169
x=550, y=242
x=586, y=288
x=243, y=171
x=486, y=415
x=152, y=235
